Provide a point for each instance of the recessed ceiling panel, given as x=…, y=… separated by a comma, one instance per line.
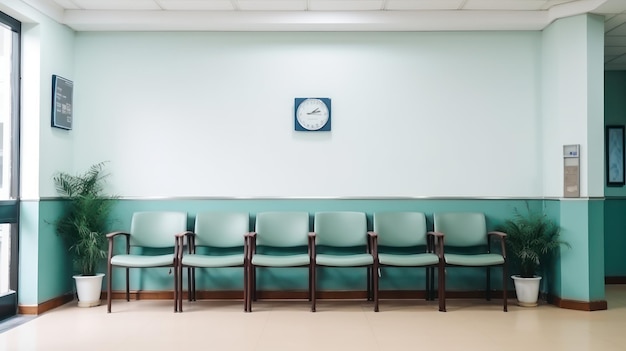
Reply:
x=272, y=5
x=345, y=5
x=67, y=4
x=198, y=5
x=399, y=5
x=117, y=4
x=619, y=30
x=504, y=4
x=614, y=50
x=614, y=40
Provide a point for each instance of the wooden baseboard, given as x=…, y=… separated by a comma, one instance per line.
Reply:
x=303, y=295
x=578, y=305
x=45, y=306
x=615, y=280
x=289, y=295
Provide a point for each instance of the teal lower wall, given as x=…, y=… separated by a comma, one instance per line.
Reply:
x=615, y=237
x=46, y=269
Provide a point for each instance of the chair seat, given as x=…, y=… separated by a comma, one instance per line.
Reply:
x=474, y=260
x=206, y=261
x=412, y=260
x=344, y=260
x=281, y=261
x=140, y=261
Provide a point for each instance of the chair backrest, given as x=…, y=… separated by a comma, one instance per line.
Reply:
x=221, y=229
x=282, y=229
x=156, y=229
x=400, y=229
x=340, y=229
x=462, y=229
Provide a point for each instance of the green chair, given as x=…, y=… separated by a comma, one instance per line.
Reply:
x=341, y=240
x=280, y=239
x=221, y=237
x=403, y=241
x=152, y=231
x=468, y=244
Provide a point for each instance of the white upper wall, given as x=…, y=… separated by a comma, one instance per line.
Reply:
x=211, y=114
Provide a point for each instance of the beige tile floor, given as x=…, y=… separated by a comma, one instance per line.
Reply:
x=337, y=325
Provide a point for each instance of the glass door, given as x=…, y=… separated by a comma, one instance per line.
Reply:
x=9, y=147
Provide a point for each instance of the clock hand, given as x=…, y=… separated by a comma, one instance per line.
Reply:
x=317, y=110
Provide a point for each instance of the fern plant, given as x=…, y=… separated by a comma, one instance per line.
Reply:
x=531, y=238
x=84, y=222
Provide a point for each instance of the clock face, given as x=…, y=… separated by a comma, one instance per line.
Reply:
x=313, y=114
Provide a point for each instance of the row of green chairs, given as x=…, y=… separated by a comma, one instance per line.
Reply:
x=283, y=239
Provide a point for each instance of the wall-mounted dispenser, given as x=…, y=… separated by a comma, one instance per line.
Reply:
x=571, y=170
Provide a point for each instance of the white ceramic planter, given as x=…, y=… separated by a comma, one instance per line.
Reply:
x=527, y=290
x=89, y=289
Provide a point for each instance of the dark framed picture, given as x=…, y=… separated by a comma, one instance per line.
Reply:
x=62, y=102
x=614, y=140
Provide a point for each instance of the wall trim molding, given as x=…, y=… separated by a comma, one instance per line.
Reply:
x=615, y=280
x=578, y=305
x=415, y=197
x=45, y=306
x=303, y=295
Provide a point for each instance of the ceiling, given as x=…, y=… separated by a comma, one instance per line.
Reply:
x=337, y=15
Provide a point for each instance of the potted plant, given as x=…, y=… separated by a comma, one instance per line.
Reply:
x=531, y=238
x=83, y=227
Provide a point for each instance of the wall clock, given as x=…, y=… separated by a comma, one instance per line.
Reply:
x=312, y=114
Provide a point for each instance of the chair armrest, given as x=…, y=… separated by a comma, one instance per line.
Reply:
x=114, y=234
x=436, y=242
x=311, y=246
x=502, y=237
x=111, y=236
x=249, y=245
x=179, y=241
x=373, y=244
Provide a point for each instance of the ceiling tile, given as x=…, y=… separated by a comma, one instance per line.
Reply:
x=67, y=4
x=614, y=22
x=117, y=4
x=619, y=60
x=618, y=30
x=614, y=50
x=272, y=5
x=198, y=5
x=504, y=4
x=345, y=5
x=398, y=5
x=615, y=40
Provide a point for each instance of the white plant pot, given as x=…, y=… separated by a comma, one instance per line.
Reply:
x=88, y=289
x=527, y=290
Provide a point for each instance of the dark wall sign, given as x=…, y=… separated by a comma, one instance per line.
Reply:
x=62, y=104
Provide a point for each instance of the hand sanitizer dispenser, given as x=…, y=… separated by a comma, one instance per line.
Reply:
x=571, y=170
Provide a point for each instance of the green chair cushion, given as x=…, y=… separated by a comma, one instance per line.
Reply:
x=280, y=261
x=474, y=260
x=344, y=260
x=412, y=260
x=206, y=261
x=140, y=261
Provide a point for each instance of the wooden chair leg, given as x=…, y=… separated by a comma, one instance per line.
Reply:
x=176, y=288
x=245, y=287
x=109, y=279
x=441, y=286
x=375, y=283
x=127, y=284
x=370, y=273
x=313, y=287
x=504, y=287
x=191, y=283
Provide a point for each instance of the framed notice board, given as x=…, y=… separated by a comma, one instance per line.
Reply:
x=62, y=104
